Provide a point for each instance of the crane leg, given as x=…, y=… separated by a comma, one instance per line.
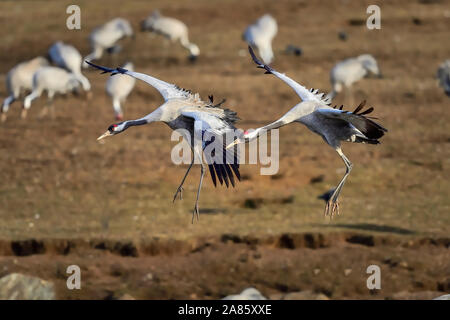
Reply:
x=196, y=211
x=44, y=112
x=180, y=187
x=332, y=205
x=117, y=109
x=49, y=105
x=27, y=102
x=5, y=106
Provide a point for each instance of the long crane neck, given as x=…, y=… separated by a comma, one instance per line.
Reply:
x=152, y=117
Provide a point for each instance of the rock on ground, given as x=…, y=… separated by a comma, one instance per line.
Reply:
x=444, y=297
x=247, y=294
x=421, y=295
x=16, y=286
x=127, y=296
x=301, y=295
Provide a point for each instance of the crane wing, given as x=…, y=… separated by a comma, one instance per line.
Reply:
x=302, y=92
x=167, y=90
x=357, y=119
x=211, y=128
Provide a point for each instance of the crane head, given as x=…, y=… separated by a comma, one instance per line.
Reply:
x=112, y=130
x=246, y=136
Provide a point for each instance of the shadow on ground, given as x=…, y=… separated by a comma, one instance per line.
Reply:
x=371, y=227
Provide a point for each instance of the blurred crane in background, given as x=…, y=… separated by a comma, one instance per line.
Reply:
x=105, y=38
x=66, y=56
x=20, y=78
x=260, y=35
x=54, y=80
x=172, y=29
x=345, y=73
x=118, y=88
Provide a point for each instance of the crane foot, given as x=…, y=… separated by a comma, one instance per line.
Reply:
x=179, y=191
x=195, y=213
x=331, y=208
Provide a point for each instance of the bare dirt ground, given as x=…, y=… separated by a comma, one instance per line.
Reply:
x=66, y=199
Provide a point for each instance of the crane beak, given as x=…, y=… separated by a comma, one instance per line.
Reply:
x=106, y=134
x=235, y=142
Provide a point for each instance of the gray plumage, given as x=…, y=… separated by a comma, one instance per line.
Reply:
x=443, y=75
x=334, y=125
x=184, y=110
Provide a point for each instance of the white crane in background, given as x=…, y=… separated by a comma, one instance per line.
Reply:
x=106, y=36
x=66, y=56
x=171, y=28
x=345, y=73
x=260, y=35
x=118, y=88
x=54, y=80
x=19, y=79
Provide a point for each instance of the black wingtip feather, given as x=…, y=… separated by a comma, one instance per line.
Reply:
x=230, y=174
x=224, y=174
x=372, y=130
x=258, y=62
x=358, y=108
x=213, y=175
x=218, y=173
x=366, y=112
x=106, y=69
x=235, y=169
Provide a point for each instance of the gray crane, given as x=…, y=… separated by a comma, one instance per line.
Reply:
x=334, y=125
x=184, y=110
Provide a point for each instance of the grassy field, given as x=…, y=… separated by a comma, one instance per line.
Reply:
x=58, y=182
